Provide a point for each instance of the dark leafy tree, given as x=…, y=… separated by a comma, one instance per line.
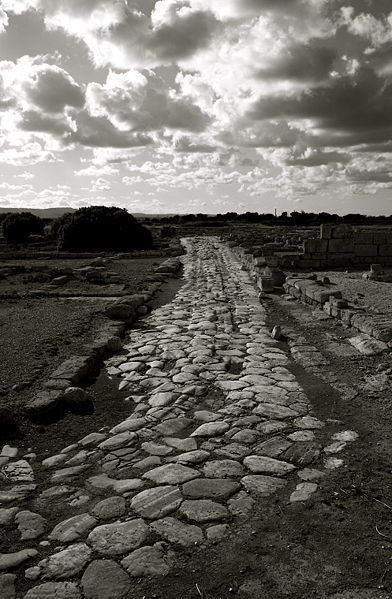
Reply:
x=99, y=228
x=18, y=226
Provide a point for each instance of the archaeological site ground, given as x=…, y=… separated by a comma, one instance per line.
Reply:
x=209, y=418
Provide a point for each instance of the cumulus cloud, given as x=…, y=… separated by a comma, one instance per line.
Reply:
x=141, y=101
x=52, y=89
x=358, y=105
x=375, y=29
x=124, y=34
x=99, y=132
x=250, y=95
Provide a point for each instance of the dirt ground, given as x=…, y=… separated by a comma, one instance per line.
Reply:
x=38, y=333
x=338, y=545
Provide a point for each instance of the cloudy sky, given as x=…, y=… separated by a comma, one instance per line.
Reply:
x=197, y=105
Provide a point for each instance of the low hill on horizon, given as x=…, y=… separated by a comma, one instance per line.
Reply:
x=41, y=212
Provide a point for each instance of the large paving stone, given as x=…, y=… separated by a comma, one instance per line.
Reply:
x=216, y=488
x=105, y=579
x=308, y=422
x=246, y=436
x=303, y=492
x=222, y=469
x=203, y=510
x=119, y=537
x=72, y=528
x=181, y=444
x=157, y=502
x=103, y=481
x=206, y=416
x=234, y=451
x=273, y=447
x=161, y=399
x=192, y=457
x=278, y=412
x=177, y=532
x=171, y=474
x=66, y=563
x=7, y=515
x=120, y=440
x=11, y=560
x=156, y=449
x=112, y=507
x=173, y=426
x=54, y=590
x=265, y=465
x=146, y=561
x=30, y=524
x=16, y=493
x=262, y=485
x=241, y=504
x=19, y=471
x=211, y=429
x=217, y=532
x=302, y=453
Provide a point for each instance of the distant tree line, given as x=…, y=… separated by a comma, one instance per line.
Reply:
x=99, y=228
x=306, y=219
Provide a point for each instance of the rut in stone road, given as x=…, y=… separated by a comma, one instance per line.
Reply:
x=217, y=422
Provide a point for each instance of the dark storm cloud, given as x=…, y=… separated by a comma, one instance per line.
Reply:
x=52, y=89
x=358, y=105
x=98, y=132
x=300, y=62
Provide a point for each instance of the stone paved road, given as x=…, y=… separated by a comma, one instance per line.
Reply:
x=217, y=422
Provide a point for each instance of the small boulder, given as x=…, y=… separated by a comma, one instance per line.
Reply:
x=78, y=401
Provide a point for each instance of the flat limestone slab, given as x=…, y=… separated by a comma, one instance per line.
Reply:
x=119, y=537
x=171, y=474
x=266, y=465
x=218, y=488
x=203, y=510
x=262, y=485
x=177, y=532
x=156, y=503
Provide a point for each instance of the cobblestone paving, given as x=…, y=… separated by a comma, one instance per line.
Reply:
x=217, y=422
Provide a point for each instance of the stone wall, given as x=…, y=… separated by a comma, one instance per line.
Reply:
x=341, y=245
x=328, y=297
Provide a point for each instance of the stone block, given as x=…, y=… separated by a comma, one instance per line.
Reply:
x=364, y=238
x=365, y=250
x=341, y=246
x=340, y=260
x=385, y=250
x=323, y=295
x=342, y=231
x=45, y=407
x=326, y=231
x=309, y=263
x=314, y=246
x=381, y=237
x=74, y=369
